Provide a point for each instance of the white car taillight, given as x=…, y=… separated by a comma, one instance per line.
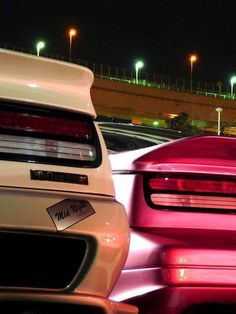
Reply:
x=44, y=147
x=47, y=136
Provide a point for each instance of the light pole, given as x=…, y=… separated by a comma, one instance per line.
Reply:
x=219, y=84
x=72, y=33
x=192, y=58
x=219, y=110
x=232, y=82
x=138, y=65
x=40, y=45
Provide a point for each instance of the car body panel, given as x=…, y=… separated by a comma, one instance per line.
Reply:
x=189, y=152
x=180, y=258
x=100, y=180
x=63, y=303
x=81, y=224
x=111, y=238
x=45, y=81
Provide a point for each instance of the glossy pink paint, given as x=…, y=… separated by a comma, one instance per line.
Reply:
x=180, y=257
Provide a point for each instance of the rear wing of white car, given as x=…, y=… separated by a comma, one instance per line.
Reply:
x=32, y=79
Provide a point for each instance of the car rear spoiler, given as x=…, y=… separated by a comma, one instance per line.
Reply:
x=49, y=82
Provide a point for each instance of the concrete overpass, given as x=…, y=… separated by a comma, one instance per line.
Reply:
x=148, y=104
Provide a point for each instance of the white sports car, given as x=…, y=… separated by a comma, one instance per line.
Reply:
x=64, y=238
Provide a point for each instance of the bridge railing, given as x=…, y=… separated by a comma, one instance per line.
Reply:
x=128, y=76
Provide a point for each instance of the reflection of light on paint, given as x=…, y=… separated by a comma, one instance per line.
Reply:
x=134, y=282
x=135, y=292
x=139, y=242
x=181, y=260
x=142, y=250
x=33, y=85
x=182, y=275
x=199, y=257
x=110, y=238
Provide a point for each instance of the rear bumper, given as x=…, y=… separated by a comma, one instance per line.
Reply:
x=177, y=300
x=61, y=303
x=145, y=288
x=200, y=279
x=26, y=211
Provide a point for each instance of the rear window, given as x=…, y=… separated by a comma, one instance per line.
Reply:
x=122, y=142
x=39, y=135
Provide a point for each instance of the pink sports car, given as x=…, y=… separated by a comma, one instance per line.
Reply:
x=180, y=198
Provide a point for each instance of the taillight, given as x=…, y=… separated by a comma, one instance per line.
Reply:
x=191, y=192
x=42, y=124
x=48, y=137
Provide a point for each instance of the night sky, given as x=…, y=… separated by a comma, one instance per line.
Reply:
x=116, y=32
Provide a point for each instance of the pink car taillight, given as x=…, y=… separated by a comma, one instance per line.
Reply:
x=191, y=192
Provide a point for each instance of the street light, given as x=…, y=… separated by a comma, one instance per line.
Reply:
x=138, y=65
x=219, y=110
x=72, y=33
x=40, y=45
x=232, y=82
x=192, y=58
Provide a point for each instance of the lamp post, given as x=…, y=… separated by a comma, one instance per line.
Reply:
x=40, y=45
x=219, y=84
x=193, y=58
x=72, y=33
x=219, y=110
x=232, y=82
x=138, y=65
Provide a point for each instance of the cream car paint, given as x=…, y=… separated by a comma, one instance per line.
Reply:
x=25, y=203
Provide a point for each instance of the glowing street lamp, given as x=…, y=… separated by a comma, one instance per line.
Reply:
x=219, y=110
x=138, y=65
x=192, y=58
x=40, y=45
x=232, y=82
x=72, y=33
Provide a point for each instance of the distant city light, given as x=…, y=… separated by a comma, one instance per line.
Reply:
x=138, y=65
x=40, y=45
x=192, y=58
x=72, y=32
x=232, y=82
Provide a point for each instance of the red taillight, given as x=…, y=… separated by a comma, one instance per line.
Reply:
x=192, y=192
x=48, y=136
x=195, y=184
x=19, y=121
